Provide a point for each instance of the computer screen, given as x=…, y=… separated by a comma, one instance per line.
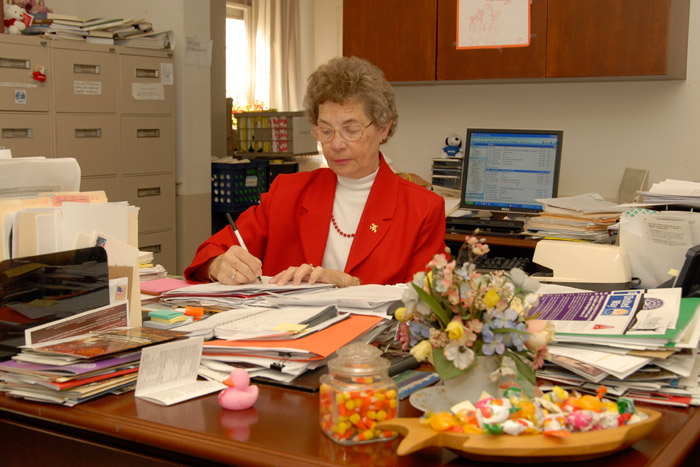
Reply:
x=36, y=290
x=506, y=170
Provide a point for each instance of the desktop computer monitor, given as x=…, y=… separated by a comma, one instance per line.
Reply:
x=506, y=170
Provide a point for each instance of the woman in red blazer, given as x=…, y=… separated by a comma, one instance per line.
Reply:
x=353, y=222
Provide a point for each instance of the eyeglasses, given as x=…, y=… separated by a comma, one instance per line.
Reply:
x=351, y=132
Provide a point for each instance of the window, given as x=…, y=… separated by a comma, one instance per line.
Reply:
x=238, y=57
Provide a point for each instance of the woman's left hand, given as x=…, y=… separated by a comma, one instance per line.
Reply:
x=313, y=274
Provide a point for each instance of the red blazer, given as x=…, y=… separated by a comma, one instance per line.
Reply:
x=401, y=228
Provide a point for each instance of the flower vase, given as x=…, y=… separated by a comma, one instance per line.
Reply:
x=469, y=386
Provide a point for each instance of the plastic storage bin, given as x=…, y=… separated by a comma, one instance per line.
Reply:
x=236, y=186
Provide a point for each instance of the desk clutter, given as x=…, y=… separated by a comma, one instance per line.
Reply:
x=73, y=371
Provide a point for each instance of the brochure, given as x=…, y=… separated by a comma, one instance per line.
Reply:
x=168, y=373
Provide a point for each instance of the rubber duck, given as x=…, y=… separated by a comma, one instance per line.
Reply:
x=239, y=395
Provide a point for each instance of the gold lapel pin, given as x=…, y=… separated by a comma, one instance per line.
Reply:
x=373, y=227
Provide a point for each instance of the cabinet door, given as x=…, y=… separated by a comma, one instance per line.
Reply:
x=91, y=139
x=507, y=62
x=148, y=144
x=615, y=37
x=143, y=89
x=85, y=81
x=18, y=90
x=396, y=35
x=25, y=134
x=155, y=196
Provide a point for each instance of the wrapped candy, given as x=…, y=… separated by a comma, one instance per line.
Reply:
x=556, y=414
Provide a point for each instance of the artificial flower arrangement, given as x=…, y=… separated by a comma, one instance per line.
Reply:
x=452, y=315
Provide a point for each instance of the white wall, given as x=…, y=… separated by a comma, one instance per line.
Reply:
x=607, y=125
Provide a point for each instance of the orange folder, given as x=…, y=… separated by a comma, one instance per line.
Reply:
x=315, y=346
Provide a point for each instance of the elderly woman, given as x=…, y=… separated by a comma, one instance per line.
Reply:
x=351, y=223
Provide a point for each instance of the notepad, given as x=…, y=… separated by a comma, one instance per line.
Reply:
x=270, y=323
x=160, y=286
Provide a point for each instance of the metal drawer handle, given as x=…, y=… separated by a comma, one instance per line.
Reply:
x=16, y=132
x=148, y=133
x=152, y=248
x=21, y=63
x=147, y=73
x=143, y=192
x=88, y=132
x=88, y=69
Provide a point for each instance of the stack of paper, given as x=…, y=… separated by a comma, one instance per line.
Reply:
x=149, y=271
x=232, y=296
x=71, y=371
x=675, y=192
x=286, y=358
x=584, y=217
x=640, y=344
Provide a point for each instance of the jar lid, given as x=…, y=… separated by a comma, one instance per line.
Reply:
x=358, y=359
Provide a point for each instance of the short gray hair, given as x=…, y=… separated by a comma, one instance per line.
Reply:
x=345, y=78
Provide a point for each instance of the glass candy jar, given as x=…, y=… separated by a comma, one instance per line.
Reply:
x=357, y=393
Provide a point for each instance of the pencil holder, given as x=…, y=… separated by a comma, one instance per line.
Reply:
x=356, y=394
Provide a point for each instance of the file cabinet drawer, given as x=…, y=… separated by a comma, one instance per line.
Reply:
x=144, y=85
x=18, y=90
x=85, y=81
x=91, y=139
x=148, y=144
x=110, y=185
x=25, y=134
x=155, y=196
x=162, y=244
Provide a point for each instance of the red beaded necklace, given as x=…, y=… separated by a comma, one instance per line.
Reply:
x=337, y=229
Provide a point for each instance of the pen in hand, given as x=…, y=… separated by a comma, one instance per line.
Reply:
x=238, y=236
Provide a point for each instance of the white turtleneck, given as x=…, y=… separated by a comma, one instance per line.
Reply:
x=350, y=198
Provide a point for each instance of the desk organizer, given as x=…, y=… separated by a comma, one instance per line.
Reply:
x=274, y=134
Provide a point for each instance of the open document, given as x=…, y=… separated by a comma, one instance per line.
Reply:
x=168, y=373
x=656, y=242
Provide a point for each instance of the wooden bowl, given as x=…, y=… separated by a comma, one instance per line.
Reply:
x=524, y=448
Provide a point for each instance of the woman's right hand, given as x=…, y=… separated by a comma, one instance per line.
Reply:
x=236, y=266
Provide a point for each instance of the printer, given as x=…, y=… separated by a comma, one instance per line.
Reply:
x=582, y=265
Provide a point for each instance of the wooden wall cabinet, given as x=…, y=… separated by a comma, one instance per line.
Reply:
x=503, y=63
x=397, y=35
x=112, y=109
x=570, y=39
x=612, y=38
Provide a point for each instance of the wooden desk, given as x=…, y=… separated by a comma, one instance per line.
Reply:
x=282, y=429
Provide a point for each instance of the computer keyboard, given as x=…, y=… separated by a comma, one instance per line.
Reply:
x=485, y=264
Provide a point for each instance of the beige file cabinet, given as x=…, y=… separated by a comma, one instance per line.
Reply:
x=111, y=108
x=26, y=134
x=84, y=80
x=19, y=58
x=148, y=144
x=91, y=139
x=154, y=195
x=143, y=82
